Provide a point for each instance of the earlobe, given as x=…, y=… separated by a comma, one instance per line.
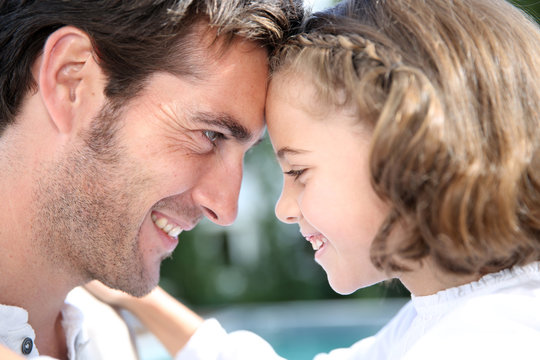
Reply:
x=66, y=74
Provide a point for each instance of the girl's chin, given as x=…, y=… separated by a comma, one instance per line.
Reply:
x=341, y=287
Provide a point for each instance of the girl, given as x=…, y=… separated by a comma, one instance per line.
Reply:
x=409, y=135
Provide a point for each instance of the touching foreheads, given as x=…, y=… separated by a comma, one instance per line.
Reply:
x=131, y=39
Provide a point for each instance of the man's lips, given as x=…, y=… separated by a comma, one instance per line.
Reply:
x=171, y=227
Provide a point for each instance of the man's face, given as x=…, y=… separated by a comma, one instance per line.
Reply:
x=113, y=212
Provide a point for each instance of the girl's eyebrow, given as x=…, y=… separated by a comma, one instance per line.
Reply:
x=281, y=153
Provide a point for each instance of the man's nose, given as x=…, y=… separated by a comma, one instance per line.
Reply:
x=218, y=190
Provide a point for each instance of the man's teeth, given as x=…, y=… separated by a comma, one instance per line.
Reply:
x=164, y=225
x=316, y=244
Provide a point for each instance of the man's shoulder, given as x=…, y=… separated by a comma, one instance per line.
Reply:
x=105, y=330
x=15, y=331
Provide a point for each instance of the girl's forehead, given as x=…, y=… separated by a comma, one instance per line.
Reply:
x=288, y=82
x=296, y=90
x=299, y=91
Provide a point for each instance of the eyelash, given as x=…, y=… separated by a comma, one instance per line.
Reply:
x=295, y=173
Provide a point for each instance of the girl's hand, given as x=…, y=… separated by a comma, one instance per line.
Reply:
x=108, y=295
x=168, y=319
x=6, y=354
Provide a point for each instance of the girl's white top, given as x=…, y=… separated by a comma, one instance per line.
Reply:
x=496, y=317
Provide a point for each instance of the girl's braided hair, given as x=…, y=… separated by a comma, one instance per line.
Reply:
x=450, y=91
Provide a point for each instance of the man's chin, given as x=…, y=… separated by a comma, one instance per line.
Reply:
x=141, y=293
x=137, y=286
x=144, y=287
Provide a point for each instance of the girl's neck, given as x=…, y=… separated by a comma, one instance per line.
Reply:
x=428, y=279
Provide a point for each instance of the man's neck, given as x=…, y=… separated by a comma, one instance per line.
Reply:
x=28, y=277
x=28, y=280
x=42, y=296
x=53, y=341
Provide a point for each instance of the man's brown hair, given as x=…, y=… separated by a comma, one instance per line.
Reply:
x=132, y=39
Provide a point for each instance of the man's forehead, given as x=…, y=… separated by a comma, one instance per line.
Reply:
x=213, y=45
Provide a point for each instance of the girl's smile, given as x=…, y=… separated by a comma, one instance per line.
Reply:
x=317, y=241
x=326, y=188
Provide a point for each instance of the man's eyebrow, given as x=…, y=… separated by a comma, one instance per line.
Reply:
x=287, y=150
x=225, y=122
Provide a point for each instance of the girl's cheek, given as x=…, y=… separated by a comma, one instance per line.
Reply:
x=311, y=207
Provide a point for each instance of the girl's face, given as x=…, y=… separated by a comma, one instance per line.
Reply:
x=326, y=189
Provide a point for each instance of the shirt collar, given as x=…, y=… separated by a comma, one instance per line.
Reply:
x=14, y=329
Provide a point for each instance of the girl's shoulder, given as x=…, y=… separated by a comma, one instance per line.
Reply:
x=497, y=317
x=498, y=326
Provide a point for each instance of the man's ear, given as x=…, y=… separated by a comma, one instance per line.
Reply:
x=69, y=78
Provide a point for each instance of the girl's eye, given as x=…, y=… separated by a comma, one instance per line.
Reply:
x=295, y=173
x=213, y=136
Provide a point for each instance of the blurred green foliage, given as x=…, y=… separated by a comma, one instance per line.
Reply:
x=258, y=259
x=532, y=7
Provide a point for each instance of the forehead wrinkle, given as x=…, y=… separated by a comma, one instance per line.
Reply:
x=226, y=122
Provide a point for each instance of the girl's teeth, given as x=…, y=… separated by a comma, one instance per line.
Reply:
x=167, y=228
x=316, y=244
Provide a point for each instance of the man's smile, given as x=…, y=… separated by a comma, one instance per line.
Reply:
x=167, y=226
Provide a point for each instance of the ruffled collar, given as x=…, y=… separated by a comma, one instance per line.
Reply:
x=445, y=300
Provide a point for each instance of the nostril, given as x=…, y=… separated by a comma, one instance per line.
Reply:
x=210, y=214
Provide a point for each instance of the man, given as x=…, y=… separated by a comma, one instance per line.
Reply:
x=122, y=124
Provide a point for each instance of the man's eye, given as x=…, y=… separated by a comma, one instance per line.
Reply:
x=213, y=136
